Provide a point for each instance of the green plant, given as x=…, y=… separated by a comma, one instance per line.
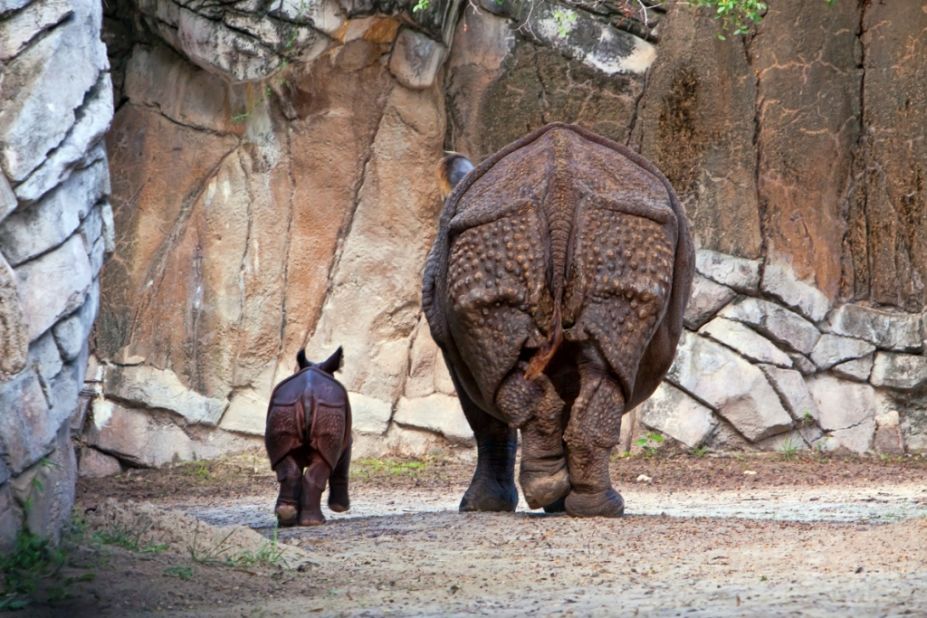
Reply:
x=700, y=451
x=788, y=450
x=366, y=468
x=564, y=21
x=737, y=16
x=127, y=539
x=200, y=470
x=806, y=419
x=421, y=5
x=268, y=554
x=33, y=561
x=183, y=572
x=650, y=443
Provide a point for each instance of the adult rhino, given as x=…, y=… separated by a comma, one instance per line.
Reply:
x=555, y=289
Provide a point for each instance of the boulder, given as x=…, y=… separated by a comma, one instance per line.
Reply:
x=858, y=369
x=780, y=282
x=845, y=405
x=706, y=300
x=891, y=330
x=54, y=285
x=673, y=413
x=149, y=387
x=833, y=349
x=735, y=272
x=137, y=437
x=579, y=35
x=900, y=371
x=247, y=412
x=369, y=414
x=437, y=413
x=72, y=332
x=729, y=384
x=792, y=389
x=26, y=431
x=786, y=328
x=95, y=464
x=747, y=342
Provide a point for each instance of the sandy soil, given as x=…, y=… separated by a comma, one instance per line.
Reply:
x=709, y=536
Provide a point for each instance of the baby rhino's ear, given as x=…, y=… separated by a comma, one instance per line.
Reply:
x=451, y=170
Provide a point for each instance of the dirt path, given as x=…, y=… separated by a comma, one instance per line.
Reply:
x=733, y=544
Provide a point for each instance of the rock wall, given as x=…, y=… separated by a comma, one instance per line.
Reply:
x=56, y=227
x=272, y=188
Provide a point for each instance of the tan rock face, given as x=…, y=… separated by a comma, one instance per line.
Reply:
x=886, y=257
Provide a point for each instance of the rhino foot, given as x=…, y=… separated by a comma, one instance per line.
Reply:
x=489, y=495
x=286, y=515
x=606, y=503
x=542, y=488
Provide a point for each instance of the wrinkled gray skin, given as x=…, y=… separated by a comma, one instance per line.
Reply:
x=555, y=289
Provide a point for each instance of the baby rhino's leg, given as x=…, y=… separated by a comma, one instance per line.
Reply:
x=537, y=409
x=314, y=479
x=592, y=431
x=338, y=499
x=287, y=507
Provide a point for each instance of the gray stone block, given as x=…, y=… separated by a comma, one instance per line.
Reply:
x=48, y=83
x=54, y=285
x=735, y=272
x=14, y=332
x=728, y=383
x=673, y=413
x=786, y=328
x=779, y=281
x=833, y=349
x=33, y=230
x=26, y=433
x=899, y=371
x=150, y=387
x=706, y=300
x=858, y=369
x=747, y=342
x=72, y=332
x=890, y=330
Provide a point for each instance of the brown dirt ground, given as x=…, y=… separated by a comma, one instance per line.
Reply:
x=152, y=552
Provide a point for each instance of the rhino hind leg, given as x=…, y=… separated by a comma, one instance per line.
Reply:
x=537, y=409
x=313, y=484
x=493, y=485
x=287, y=507
x=592, y=431
x=338, y=499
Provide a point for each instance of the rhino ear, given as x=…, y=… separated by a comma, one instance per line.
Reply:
x=332, y=363
x=301, y=359
x=451, y=170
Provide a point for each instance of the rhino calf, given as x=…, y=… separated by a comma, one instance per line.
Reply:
x=555, y=289
x=308, y=440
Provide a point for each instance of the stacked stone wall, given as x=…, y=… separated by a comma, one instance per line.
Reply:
x=56, y=228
